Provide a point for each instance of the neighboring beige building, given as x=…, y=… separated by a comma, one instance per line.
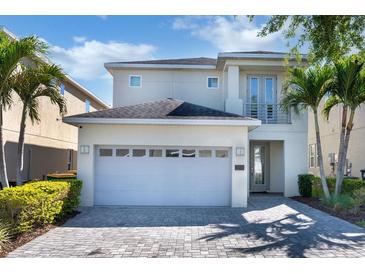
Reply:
x=330, y=134
x=50, y=145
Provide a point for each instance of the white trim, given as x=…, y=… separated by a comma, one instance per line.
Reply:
x=129, y=81
x=208, y=82
x=257, y=55
x=157, y=66
x=123, y=121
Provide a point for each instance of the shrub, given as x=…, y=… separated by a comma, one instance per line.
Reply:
x=359, y=198
x=349, y=185
x=38, y=203
x=72, y=200
x=340, y=203
x=4, y=235
x=305, y=184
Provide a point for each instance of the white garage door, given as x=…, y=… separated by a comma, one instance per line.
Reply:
x=162, y=176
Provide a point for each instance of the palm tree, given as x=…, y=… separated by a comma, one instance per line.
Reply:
x=31, y=84
x=347, y=89
x=305, y=89
x=12, y=52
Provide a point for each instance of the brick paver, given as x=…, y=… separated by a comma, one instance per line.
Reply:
x=269, y=227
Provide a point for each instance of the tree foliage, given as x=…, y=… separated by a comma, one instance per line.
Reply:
x=329, y=37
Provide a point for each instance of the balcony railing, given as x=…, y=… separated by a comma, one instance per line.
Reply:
x=267, y=113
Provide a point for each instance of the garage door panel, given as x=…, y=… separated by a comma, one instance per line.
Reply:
x=162, y=181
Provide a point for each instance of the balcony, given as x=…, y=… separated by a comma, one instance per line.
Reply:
x=267, y=113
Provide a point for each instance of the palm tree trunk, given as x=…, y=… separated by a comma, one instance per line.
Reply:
x=320, y=157
x=340, y=166
x=20, y=151
x=349, y=127
x=3, y=173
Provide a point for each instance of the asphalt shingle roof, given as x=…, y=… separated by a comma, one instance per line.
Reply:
x=185, y=61
x=164, y=109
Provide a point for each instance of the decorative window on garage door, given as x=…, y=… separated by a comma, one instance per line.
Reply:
x=173, y=153
x=105, y=152
x=188, y=153
x=139, y=152
x=155, y=153
x=205, y=153
x=122, y=152
x=221, y=153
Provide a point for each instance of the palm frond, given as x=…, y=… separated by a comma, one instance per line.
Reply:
x=329, y=104
x=306, y=87
x=43, y=80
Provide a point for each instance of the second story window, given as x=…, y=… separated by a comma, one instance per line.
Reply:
x=87, y=105
x=213, y=82
x=135, y=81
x=62, y=89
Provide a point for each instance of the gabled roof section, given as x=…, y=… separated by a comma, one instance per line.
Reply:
x=69, y=79
x=259, y=54
x=167, y=110
x=164, y=109
x=183, y=63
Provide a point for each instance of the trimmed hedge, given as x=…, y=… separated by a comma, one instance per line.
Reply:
x=72, y=200
x=349, y=185
x=38, y=203
x=305, y=182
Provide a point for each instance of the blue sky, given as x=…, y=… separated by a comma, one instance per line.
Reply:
x=81, y=44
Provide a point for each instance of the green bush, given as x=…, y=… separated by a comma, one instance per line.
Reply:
x=4, y=235
x=72, y=200
x=38, y=203
x=340, y=203
x=359, y=198
x=348, y=186
x=305, y=184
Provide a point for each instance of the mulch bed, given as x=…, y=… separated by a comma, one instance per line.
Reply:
x=316, y=203
x=26, y=237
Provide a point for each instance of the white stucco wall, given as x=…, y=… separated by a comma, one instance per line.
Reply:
x=164, y=135
x=186, y=85
x=277, y=168
x=295, y=141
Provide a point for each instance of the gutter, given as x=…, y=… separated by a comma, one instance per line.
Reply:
x=198, y=122
x=157, y=66
x=257, y=56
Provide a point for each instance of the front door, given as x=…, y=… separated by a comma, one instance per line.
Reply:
x=259, y=167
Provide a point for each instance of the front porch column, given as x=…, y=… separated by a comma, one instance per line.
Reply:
x=233, y=103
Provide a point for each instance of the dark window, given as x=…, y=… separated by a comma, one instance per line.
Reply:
x=172, y=153
x=122, y=152
x=139, y=152
x=105, y=152
x=188, y=153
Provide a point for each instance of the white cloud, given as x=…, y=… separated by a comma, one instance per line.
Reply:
x=86, y=59
x=229, y=33
x=103, y=17
x=79, y=39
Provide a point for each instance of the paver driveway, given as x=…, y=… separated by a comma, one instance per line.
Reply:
x=269, y=227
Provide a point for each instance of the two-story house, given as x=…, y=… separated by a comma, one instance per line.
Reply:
x=50, y=145
x=192, y=132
